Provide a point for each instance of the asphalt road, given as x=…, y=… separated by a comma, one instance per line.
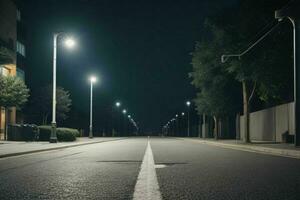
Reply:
x=124, y=169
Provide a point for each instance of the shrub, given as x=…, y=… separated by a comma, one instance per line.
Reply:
x=63, y=134
x=44, y=133
x=66, y=134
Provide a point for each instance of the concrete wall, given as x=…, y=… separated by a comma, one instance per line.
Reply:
x=270, y=124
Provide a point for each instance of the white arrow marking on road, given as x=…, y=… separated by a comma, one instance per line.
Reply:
x=147, y=186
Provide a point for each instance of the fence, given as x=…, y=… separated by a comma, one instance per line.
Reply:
x=270, y=124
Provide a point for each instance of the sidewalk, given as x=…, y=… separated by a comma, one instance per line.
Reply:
x=276, y=149
x=11, y=148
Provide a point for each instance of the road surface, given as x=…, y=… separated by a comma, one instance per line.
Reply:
x=155, y=168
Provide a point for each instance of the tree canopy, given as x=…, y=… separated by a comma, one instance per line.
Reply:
x=41, y=103
x=13, y=91
x=267, y=67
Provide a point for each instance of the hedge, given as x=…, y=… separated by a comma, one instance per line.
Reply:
x=63, y=134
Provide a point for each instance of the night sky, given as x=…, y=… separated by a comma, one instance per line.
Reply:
x=140, y=49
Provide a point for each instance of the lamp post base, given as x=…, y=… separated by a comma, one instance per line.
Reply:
x=91, y=133
x=53, y=137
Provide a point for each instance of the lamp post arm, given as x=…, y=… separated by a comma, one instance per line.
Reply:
x=225, y=57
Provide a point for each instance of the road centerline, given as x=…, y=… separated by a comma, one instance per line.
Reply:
x=147, y=185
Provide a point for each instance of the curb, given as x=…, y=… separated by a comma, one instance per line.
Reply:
x=289, y=153
x=54, y=148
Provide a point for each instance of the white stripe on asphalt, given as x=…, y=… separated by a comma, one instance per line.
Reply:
x=147, y=186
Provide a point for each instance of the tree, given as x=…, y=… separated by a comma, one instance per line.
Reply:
x=41, y=103
x=13, y=93
x=218, y=90
x=260, y=72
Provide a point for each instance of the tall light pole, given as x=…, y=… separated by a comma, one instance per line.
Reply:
x=128, y=126
x=70, y=44
x=93, y=79
x=292, y=13
x=188, y=103
x=182, y=123
x=118, y=126
x=124, y=111
x=177, y=125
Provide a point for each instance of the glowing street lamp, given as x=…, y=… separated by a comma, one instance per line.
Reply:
x=70, y=44
x=124, y=111
x=93, y=80
x=118, y=104
x=188, y=103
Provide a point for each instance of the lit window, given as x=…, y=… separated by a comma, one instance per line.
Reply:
x=21, y=74
x=4, y=71
x=21, y=48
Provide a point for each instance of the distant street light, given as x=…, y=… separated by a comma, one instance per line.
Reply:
x=129, y=116
x=70, y=44
x=124, y=111
x=182, y=114
x=118, y=104
x=93, y=79
x=188, y=103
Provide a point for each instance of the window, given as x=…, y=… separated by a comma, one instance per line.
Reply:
x=4, y=71
x=21, y=74
x=18, y=15
x=21, y=48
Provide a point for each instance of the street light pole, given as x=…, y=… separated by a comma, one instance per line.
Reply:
x=188, y=103
x=69, y=43
x=292, y=13
x=177, y=125
x=124, y=122
x=91, y=112
x=93, y=80
x=53, y=137
x=117, y=104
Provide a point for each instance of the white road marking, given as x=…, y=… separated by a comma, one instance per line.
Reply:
x=147, y=187
x=160, y=166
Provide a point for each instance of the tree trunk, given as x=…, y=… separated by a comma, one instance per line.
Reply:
x=237, y=127
x=216, y=122
x=45, y=119
x=6, y=122
x=246, y=113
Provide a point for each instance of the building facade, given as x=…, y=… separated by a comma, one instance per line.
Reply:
x=12, y=52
